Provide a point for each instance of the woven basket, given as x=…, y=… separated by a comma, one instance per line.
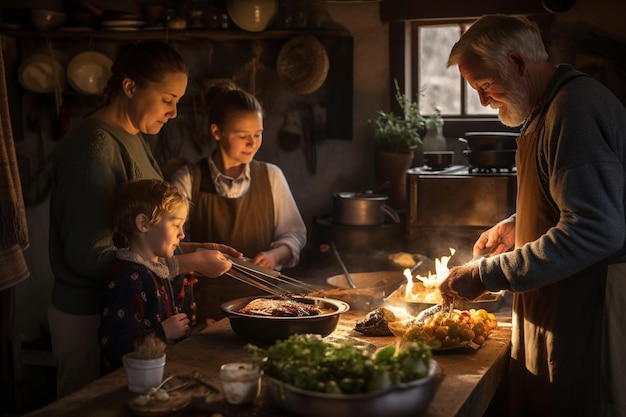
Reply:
x=302, y=64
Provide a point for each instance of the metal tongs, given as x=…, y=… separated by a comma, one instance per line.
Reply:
x=266, y=279
x=445, y=308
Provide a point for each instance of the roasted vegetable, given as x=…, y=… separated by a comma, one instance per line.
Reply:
x=463, y=327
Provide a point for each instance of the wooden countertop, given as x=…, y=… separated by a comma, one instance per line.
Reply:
x=467, y=383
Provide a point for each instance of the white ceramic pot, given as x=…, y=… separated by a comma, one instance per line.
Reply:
x=143, y=374
x=241, y=382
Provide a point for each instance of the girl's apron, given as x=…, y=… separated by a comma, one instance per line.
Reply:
x=245, y=223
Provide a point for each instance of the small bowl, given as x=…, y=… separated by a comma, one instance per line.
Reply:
x=402, y=400
x=438, y=160
x=46, y=19
x=371, y=288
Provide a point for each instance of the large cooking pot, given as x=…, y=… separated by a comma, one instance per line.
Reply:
x=265, y=330
x=362, y=209
x=489, y=141
x=500, y=159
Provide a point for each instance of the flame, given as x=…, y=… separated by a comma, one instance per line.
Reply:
x=431, y=282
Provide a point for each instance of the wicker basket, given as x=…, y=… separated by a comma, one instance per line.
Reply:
x=302, y=64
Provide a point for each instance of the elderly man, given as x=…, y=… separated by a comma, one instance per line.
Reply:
x=562, y=254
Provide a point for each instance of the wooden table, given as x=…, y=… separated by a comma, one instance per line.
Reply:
x=467, y=383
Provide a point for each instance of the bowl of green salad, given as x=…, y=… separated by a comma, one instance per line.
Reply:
x=310, y=377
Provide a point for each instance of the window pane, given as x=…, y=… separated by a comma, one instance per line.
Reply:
x=439, y=85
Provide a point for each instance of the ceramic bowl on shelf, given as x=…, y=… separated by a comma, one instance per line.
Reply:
x=46, y=19
x=252, y=15
x=88, y=72
x=43, y=71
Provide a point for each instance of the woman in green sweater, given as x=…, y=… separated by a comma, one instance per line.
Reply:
x=100, y=153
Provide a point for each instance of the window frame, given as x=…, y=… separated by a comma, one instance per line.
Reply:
x=403, y=68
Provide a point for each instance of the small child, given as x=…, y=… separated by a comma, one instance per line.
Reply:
x=150, y=215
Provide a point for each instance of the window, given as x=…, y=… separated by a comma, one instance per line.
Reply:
x=440, y=87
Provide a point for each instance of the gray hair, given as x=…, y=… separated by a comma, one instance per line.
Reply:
x=492, y=37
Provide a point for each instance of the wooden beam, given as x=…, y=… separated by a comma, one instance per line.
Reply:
x=457, y=9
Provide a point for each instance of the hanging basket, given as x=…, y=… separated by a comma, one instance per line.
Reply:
x=302, y=64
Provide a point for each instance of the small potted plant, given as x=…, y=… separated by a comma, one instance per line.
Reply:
x=395, y=139
x=398, y=133
x=144, y=367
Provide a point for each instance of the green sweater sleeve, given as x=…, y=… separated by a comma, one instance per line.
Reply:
x=92, y=162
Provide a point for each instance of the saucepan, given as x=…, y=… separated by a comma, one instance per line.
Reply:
x=362, y=209
x=489, y=141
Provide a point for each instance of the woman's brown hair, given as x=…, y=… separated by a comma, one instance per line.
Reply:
x=142, y=62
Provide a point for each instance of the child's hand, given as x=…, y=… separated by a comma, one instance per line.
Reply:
x=176, y=326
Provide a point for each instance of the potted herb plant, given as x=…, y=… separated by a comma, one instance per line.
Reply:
x=395, y=139
x=398, y=133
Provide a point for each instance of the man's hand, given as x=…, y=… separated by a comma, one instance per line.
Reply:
x=464, y=282
x=499, y=239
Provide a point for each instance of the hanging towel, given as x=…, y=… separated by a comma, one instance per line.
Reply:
x=13, y=227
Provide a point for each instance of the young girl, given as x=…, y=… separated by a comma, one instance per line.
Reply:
x=150, y=215
x=238, y=200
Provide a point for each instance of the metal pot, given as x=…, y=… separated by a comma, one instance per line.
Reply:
x=438, y=160
x=490, y=141
x=362, y=209
x=491, y=159
x=266, y=330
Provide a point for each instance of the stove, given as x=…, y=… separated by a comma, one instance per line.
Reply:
x=457, y=170
x=490, y=170
x=451, y=207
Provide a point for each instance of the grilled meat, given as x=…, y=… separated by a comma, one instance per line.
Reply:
x=279, y=308
x=375, y=323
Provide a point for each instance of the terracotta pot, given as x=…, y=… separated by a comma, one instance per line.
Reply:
x=390, y=168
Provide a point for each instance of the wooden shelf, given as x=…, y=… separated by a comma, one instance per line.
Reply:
x=189, y=34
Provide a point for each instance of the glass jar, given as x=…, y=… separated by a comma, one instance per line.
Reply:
x=434, y=140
